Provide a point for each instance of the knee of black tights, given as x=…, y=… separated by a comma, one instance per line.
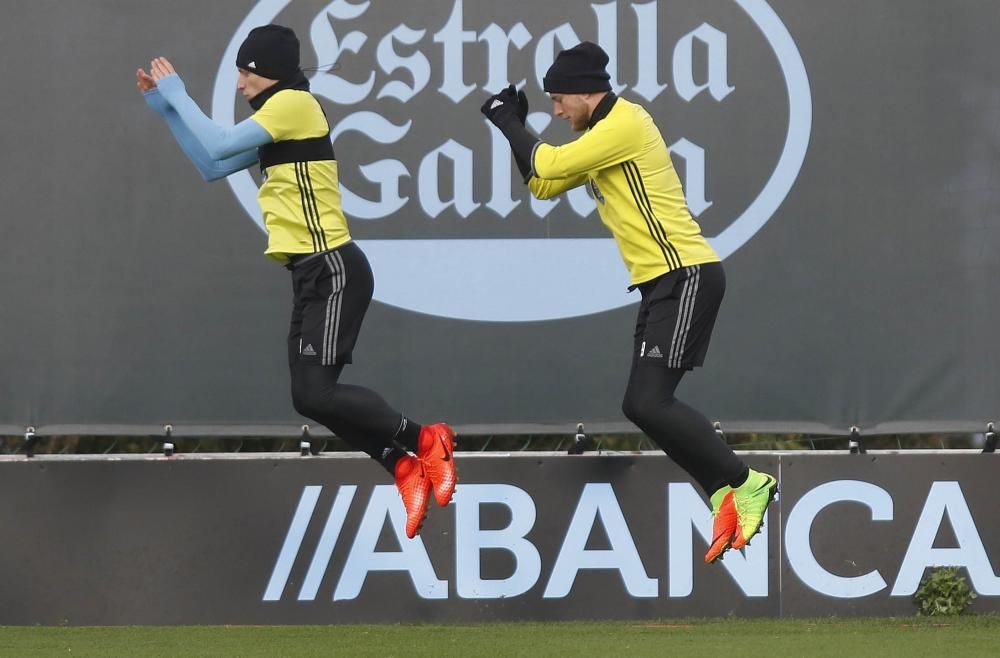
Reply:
x=312, y=390
x=650, y=391
x=639, y=405
x=304, y=402
x=629, y=407
x=636, y=408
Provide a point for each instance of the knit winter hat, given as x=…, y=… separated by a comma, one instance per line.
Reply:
x=578, y=70
x=270, y=51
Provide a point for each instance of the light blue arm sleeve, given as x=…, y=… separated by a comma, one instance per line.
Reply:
x=209, y=168
x=219, y=142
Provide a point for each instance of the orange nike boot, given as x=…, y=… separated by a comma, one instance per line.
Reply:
x=724, y=524
x=435, y=448
x=415, y=488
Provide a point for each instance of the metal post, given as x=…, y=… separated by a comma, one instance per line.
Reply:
x=855, y=443
x=29, y=442
x=168, y=441
x=991, y=439
x=581, y=443
x=305, y=442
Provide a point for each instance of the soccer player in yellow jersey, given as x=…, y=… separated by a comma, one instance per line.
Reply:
x=622, y=158
x=289, y=137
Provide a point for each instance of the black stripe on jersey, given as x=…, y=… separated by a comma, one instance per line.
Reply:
x=656, y=230
x=642, y=210
x=312, y=200
x=652, y=216
x=296, y=150
x=306, y=208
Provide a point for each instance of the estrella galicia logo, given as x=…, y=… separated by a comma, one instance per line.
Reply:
x=429, y=186
x=597, y=192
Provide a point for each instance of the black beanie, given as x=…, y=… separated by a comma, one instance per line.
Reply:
x=270, y=51
x=579, y=70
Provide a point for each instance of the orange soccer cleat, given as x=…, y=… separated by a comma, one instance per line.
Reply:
x=415, y=488
x=435, y=448
x=724, y=525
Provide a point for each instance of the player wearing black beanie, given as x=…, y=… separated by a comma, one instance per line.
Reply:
x=288, y=136
x=579, y=70
x=622, y=159
x=270, y=51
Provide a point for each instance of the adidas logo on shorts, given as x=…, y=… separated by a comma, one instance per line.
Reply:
x=309, y=351
x=654, y=353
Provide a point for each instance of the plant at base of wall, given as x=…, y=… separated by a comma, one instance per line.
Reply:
x=943, y=591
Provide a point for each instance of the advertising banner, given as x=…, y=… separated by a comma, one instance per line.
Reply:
x=208, y=540
x=846, y=183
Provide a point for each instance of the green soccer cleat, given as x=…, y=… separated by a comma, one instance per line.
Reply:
x=724, y=524
x=751, y=500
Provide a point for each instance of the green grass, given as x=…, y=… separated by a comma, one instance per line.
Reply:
x=913, y=636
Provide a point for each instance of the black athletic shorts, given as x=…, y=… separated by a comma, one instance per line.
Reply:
x=677, y=314
x=332, y=290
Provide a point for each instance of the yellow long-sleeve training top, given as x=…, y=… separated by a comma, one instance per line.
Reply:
x=624, y=160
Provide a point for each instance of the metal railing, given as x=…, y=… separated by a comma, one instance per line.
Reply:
x=577, y=441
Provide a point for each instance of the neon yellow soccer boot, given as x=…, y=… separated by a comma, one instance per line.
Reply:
x=751, y=500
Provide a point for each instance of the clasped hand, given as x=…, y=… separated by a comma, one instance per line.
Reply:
x=159, y=68
x=509, y=104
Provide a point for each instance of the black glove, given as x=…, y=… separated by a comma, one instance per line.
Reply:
x=522, y=107
x=503, y=107
x=522, y=116
x=508, y=111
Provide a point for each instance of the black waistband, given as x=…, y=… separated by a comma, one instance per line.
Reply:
x=646, y=287
x=298, y=260
x=296, y=150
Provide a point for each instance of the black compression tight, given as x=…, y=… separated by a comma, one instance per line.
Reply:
x=356, y=414
x=682, y=432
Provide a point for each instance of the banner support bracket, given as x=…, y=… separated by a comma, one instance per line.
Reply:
x=990, y=444
x=855, y=444
x=581, y=443
x=168, y=441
